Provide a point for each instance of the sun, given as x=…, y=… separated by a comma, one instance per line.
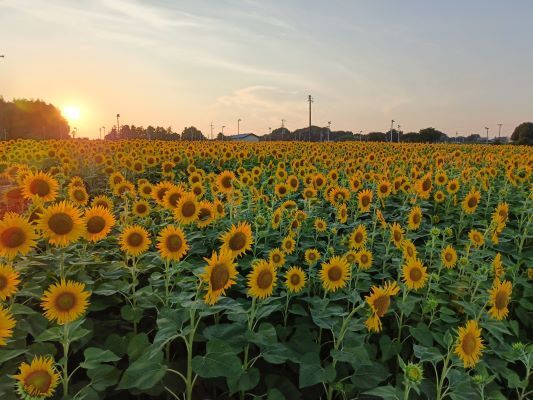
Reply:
x=72, y=113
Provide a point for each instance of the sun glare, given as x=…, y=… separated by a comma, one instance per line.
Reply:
x=71, y=113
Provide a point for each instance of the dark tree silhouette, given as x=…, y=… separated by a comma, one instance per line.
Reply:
x=523, y=133
x=31, y=119
x=192, y=133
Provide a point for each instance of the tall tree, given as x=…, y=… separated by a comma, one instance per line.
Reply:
x=192, y=133
x=523, y=133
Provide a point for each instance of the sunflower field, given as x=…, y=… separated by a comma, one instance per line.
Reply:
x=217, y=270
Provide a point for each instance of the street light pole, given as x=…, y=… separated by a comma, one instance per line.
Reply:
x=487, y=134
x=211, y=131
x=270, y=133
x=398, y=133
x=310, y=100
x=391, y=127
x=223, y=126
x=118, y=124
x=103, y=130
x=360, y=135
x=282, y=129
x=499, y=129
x=239, y=126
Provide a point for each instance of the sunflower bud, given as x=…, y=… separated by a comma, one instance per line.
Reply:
x=414, y=373
x=448, y=231
x=435, y=231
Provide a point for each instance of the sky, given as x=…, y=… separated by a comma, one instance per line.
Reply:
x=456, y=65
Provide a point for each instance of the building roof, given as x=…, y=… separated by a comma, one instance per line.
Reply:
x=241, y=136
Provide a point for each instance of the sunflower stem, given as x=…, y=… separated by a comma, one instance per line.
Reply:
x=65, y=359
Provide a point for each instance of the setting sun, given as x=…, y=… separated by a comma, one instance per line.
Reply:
x=71, y=113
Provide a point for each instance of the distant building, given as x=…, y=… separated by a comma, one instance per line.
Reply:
x=244, y=137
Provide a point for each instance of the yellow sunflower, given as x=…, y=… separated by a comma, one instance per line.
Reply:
x=141, y=208
x=288, y=245
x=408, y=248
x=187, y=209
x=238, y=239
x=364, y=198
x=295, y=279
x=134, y=240
x=39, y=186
x=65, y=301
x=364, y=259
x=384, y=189
x=320, y=225
x=102, y=201
x=311, y=256
x=453, y=186
x=98, y=222
x=448, y=256
x=471, y=201
x=17, y=236
x=497, y=266
x=37, y=380
x=7, y=323
x=219, y=275
x=171, y=243
x=415, y=218
x=9, y=279
x=500, y=296
x=396, y=234
x=335, y=274
x=358, y=237
x=225, y=181
x=469, y=344
x=206, y=214
x=276, y=257
x=262, y=279
x=476, y=238
x=78, y=195
x=61, y=224
x=379, y=302
x=414, y=274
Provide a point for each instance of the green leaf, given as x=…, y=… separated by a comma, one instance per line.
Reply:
x=422, y=334
x=384, y=392
x=312, y=372
x=369, y=375
x=144, y=373
x=51, y=335
x=95, y=356
x=220, y=360
x=389, y=348
x=430, y=354
x=6, y=355
x=137, y=346
x=103, y=377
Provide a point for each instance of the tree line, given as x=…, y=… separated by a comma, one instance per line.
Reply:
x=36, y=119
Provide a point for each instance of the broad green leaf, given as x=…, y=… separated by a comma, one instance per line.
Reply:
x=220, y=360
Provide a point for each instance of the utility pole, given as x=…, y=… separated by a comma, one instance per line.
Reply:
x=398, y=133
x=211, y=131
x=270, y=132
x=487, y=134
x=360, y=135
x=282, y=128
x=223, y=126
x=329, y=129
x=455, y=136
x=118, y=124
x=100, y=137
x=310, y=100
x=391, y=125
x=499, y=130
x=239, y=126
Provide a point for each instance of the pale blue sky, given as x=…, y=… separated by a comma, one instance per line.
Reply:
x=454, y=65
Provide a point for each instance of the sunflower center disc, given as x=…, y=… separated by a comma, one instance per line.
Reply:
x=3, y=282
x=334, y=273
x=95, y=224
x=472, y=202
x=500, y=301
x=469, y=344
x=219, y=277
x=174, y=243
x=39, y=187
x=188, y=209
x=39, y=380
x=295, y=279
x=65, y=301
x=382, y=305
x=264, y=280
x=135, y=239
x=448, y=257
x=237, y=241
x=13, y=237
x=60, y=223
x=415, y=274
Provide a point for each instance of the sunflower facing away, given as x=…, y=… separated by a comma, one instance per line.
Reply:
x=219, y=275
x=238, y=239
x=172, y=244
x=414, y=274
x=9, y=279
x=38, y=379
x=262, y=279
x=134, y=240
x=500, y=295
x=65, y=301
x=295, y=279
x=448, y=257
x=379, y=302
x=469, y=344
x=17, y=236
x=335, y=273
x=61, y=223
x=39, y=186
x=98, y=222
x=7, y=323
